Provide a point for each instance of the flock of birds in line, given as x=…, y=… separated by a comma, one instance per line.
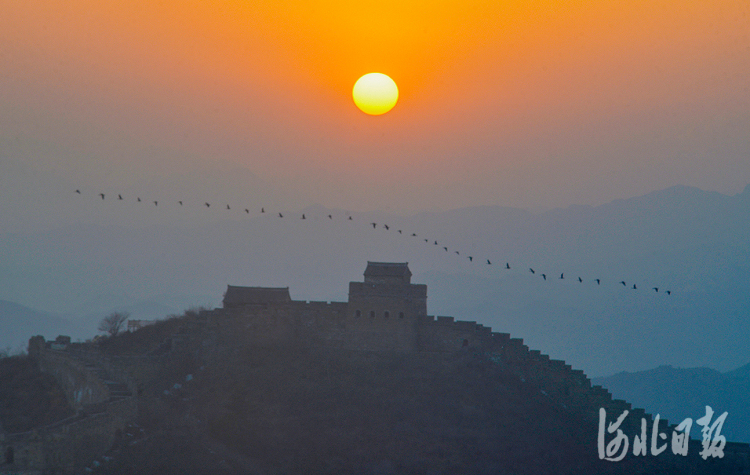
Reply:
x=400, y=231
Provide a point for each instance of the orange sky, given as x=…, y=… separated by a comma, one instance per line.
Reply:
x=535, y=104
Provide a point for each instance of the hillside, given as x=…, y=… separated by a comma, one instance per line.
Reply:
x=225, y=407
x=28, y=397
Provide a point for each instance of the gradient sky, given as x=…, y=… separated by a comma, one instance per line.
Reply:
x=534, y=104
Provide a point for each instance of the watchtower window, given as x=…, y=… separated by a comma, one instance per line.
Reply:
x=358, y=313
x=387, y=314
x=400, y=314
x=372, y=313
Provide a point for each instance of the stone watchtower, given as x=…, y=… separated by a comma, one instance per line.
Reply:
x=387, y=294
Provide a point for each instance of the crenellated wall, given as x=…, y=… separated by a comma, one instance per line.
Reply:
x=104, y=406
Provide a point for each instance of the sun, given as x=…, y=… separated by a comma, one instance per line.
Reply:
x=375, y=93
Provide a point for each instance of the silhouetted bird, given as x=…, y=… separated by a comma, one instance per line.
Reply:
x=263, y=210
x=208, y=205
x=562, y=276
x=507, y=265
x=458, y=253
x=471, y=259
x=78, y=191
x=426, y=240
x=656, y=289
x=303, y=216
x=634, y=287
x=669, y=292
x=598, y=281
x=228, y=207
x=330, y=217
x=119, y=197
x=102, y=195
x=623, y=283
x=446, y=249
x=413, y=234
x=544, y=276
x=156, y=203
x=435, y=243
x=350, y=218
x=139, y=200
x=247, y=211
x=374, y=225
x=281, y=215
x=180, y=203
x=580, y=280
x=531, y=270
x=488, y=262
x=399, y=231
x=386, y=226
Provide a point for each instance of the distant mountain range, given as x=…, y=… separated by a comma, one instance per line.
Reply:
x=678, y=393
x=691, y=242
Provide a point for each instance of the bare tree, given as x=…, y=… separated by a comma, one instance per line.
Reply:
x=113, y=322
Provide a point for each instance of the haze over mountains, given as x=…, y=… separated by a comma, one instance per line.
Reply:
x=679, y=393
x=682, y=239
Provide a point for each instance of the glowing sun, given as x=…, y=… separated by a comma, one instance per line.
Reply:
x=375, y=93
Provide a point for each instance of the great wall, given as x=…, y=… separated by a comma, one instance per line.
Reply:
x=385, y=313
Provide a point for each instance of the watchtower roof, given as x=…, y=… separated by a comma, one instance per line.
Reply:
x=379, y=271
x=237, y=296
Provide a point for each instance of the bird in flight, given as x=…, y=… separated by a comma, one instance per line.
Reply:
x=458, y=253
x=507, y=265
x=413, y=234
x=531, y=270
x=350, y=218
x=623, y=283
x=78, y=191
x=446, y=249
x=580, y=280
x=634, y=287
x=598, y=281
x=263, y=210
x=386, y=226
x=139, y=199
x=208, y=205
x=426, y=240
x=281, y=215
x=399, y=231
x=119, y=197
x=330, y=217
x=656, y=289
x=102, y=195
x=247, y=211
x=436, y=243
x=488, y=262
x=471, y=258
x=562, y=276
x=374, y=225
x=228, y=207
x=180, y=203
x=303, y=216
x=156, y=203
x=544, y=276
x=669, y=292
